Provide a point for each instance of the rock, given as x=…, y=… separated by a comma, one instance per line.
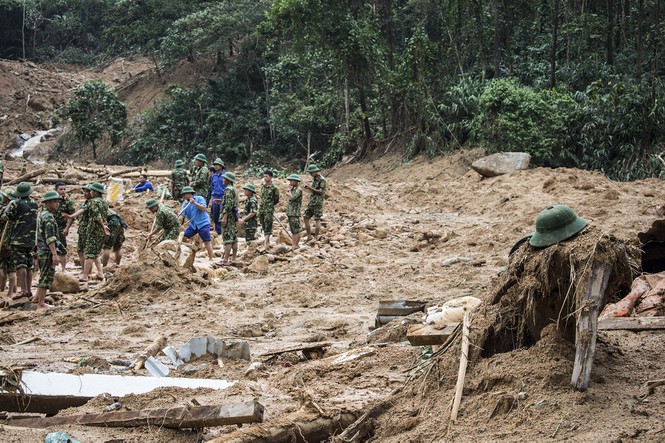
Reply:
x=73, y=174
x=380, y=234
x=281, y=249
x=453, y=260
x=283, y=237
x=362, y=237
x=298, y=259
x=40, y=152
x=270, y=257
x=40, y=104
x=501, y=163
x=65, y=283
x=259, y=265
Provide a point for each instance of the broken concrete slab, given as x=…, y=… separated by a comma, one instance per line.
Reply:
x=199, y=346
x=501, y=163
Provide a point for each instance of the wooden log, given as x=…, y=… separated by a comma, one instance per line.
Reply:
x=461, y=374
x=424, y=335
x=305, y=347
x=54, y=180
x=631, y=323
x=391, y=308
x=587, y=325
x=27, y=176
x=148, y=173
x=150, y=351
x=183, y=417
x=122, y=172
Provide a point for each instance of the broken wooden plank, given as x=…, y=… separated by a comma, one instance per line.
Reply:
x=316, y=346
x=424, y=335
x=183, y=417
x=50, y=392
x=389, y=308
x=27, y=176
x=631, y=323
x=12, y=317
x=587, y=324
x=461, y=374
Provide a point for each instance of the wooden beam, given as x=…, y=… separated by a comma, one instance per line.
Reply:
x=631, y=323
x=424, y=335
x=587, y=324
x=304, y=347
x=182, y=417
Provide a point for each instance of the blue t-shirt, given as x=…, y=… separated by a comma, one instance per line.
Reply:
x=147, y=186
x=217, y=187
x=197, y=218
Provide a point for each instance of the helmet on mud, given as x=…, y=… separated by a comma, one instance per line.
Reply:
x=51, y=195
x=250, y=187
x=313, y=168
x=150, y=203
x=295, y=177
x=554, y=224
x=179, y=163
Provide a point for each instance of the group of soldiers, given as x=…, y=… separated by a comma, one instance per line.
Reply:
x=37, y=238
x=210, y=199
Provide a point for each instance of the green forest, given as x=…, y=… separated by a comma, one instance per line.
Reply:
x=575, y=83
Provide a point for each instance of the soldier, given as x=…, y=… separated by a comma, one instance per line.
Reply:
x=66, y=206
x=269, y=198
x=229, y=219
x=95, y=232
x=195, y=210
x=48, y=234
x=200, y=176
x=293, y=207
x=249, y=220
x=217, y=189
x=179, y=179
x=23, y=213
x=165, y=220
x=6, y=262
x=115, y=238
x=315, y=203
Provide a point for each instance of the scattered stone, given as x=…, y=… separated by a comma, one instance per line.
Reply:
x=298, y=259
x=259, y=265
x=65, y=283
x=453, y=260
x=270, y=257
x=501, y=163
x=380, y=234
x=191, y=368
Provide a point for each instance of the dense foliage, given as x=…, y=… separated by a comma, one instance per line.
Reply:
x=574, y=83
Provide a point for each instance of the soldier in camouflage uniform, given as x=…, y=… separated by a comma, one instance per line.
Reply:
x=201, y=176
x=115, y=239
x=249, y=219
x=269, y=198
x=48, y=234
x=166, y=220
x=23, y=213
x=7, y=264
x=66, y=206
x=95, y=232
x=293, y=209
x=229, y=219
x=315, y=204
x=179, y=179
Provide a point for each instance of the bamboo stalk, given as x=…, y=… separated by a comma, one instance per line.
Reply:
x=462, y=366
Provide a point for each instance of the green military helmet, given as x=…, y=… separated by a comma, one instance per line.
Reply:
x=179, y=163
x=201, y=157
x=98, y=187
x=554, y=224
x=250, y=187
x=218, y=161
x=23, y=189
x=230, y=176
x=150, y=203
x=313, y=168
x=187, y=190
x=51, y=195
x=9, y=193
x=295, y=177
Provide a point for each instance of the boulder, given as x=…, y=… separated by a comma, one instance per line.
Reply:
x=65, y=283
x=501, y=163
x=259, y=265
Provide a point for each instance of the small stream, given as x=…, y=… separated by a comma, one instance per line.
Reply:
x=32, y=142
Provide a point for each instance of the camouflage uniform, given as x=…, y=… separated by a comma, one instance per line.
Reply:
x=6, y=259
x=23, y=212
x=251, y=205
x=94, y=234
x=83, y=227
x=47, y=233
x=168, y=222
x=293, y=207
x=117, y=231
x=229, y=207
x=66, y=206
x=269, y=198
x=315, y=203
x=200, y=180
x=179, y=180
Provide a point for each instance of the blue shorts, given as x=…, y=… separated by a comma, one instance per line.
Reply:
x=203, y=231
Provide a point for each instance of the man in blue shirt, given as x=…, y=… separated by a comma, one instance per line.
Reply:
x=195, y=210
x=143, y=185
x=217, y=189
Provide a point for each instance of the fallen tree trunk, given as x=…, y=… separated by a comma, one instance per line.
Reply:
x=183, y=417
x=150, y=351
x=52, y=180
x=127, y=171
x=27, y=176
x=631, y=323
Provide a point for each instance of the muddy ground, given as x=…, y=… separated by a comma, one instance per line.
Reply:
x=390, y=227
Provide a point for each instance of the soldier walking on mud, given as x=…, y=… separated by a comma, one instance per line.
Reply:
x=269, y=199
x=48, y=234
x=229, y=220
x=7, y=264
x=293, y=207
x=65, y=206
x=115, y=239
x=23, y=213
x=95, y=232
x=179, y=179
x=249, y=220
x=165, y=220
x=315, y=204
x=200, y=176
x=217, y=189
